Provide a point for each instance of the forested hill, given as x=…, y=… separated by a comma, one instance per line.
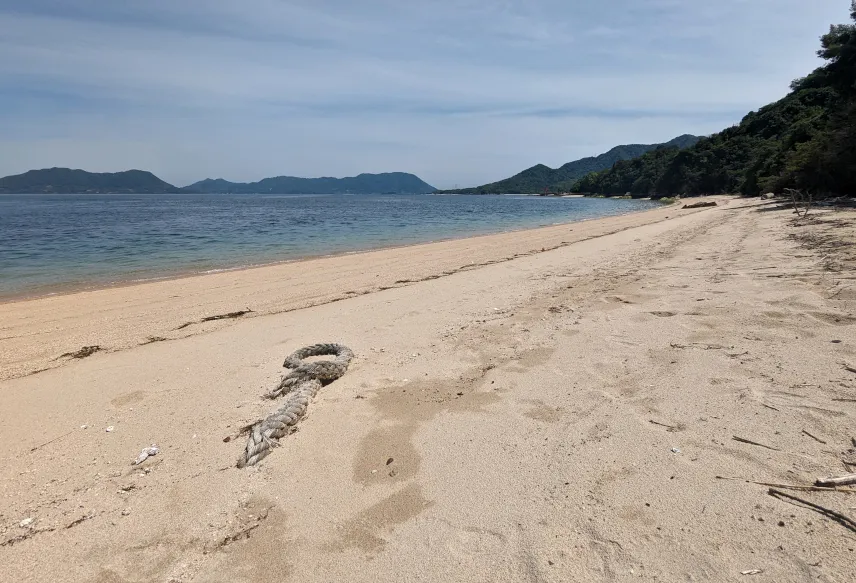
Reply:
x=67, y=181
x=807, y=140
x=536, y=179
x=386, y=183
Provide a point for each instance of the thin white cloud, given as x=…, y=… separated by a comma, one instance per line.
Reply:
x=459, y=91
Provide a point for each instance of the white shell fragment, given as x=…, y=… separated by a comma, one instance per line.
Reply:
x=146, y=454
x=26, y=522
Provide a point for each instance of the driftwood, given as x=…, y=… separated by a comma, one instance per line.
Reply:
x=699, y=205
x=847, y=480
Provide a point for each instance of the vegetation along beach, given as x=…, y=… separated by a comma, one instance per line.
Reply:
x=648, y=372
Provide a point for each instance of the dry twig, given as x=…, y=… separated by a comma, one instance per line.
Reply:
x=791, y=486
x=51, y=441
x=670, y=428
x=819, y=440
x=844, y=521
x=742, y=440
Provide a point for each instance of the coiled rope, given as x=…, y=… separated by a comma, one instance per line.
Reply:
x=303, y=382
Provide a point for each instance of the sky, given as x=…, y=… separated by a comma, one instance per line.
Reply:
x=459, y=92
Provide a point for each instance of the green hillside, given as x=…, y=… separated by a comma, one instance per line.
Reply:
x=806, y=140
x=534, y=180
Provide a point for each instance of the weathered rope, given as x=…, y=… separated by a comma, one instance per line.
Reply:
x=303, y=382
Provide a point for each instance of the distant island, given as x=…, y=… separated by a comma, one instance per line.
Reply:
x=68, y=181
x=386, y=183
x=537, y=179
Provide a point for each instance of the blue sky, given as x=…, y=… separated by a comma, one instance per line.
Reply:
x=460, y=92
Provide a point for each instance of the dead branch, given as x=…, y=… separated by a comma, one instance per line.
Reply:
x=799, y=199
x=838, y=481
x=836, y=516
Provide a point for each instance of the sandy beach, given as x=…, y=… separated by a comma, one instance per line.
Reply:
x=557, y=404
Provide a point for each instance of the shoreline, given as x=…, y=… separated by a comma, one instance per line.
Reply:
x=72, y=288
x=38, y=332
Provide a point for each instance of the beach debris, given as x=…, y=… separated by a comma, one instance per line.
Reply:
x=819, y=440
x=750, y=442
x=82, y=353
x=26, y=522
x=50, y=441
x=146, y=454
x=80, y=520
x=303, y=382
x=229, y=316
x=844, y=521
x=110, y=429
x=752, y=572
x=389, y=461
x=849, y=368
x=84, y=426
x=676, y=450
x=845, y=480
x=669, y=428
x=792, y=486
x=699, y=205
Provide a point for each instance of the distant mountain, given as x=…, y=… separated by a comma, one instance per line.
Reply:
x=386, y=183
x=67, y=181
x=534, y=180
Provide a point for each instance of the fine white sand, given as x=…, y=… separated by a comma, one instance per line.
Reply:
x=555, y=415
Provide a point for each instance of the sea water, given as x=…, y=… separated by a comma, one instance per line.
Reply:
x=61, y=242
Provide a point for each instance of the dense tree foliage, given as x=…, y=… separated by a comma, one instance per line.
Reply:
x=806, y=140
x=538, y=178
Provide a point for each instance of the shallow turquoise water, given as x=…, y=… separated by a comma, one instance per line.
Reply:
x=55, y=242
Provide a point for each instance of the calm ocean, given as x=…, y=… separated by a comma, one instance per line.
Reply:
x=60, y=242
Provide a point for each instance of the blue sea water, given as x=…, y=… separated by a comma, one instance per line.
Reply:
x=60, y=242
